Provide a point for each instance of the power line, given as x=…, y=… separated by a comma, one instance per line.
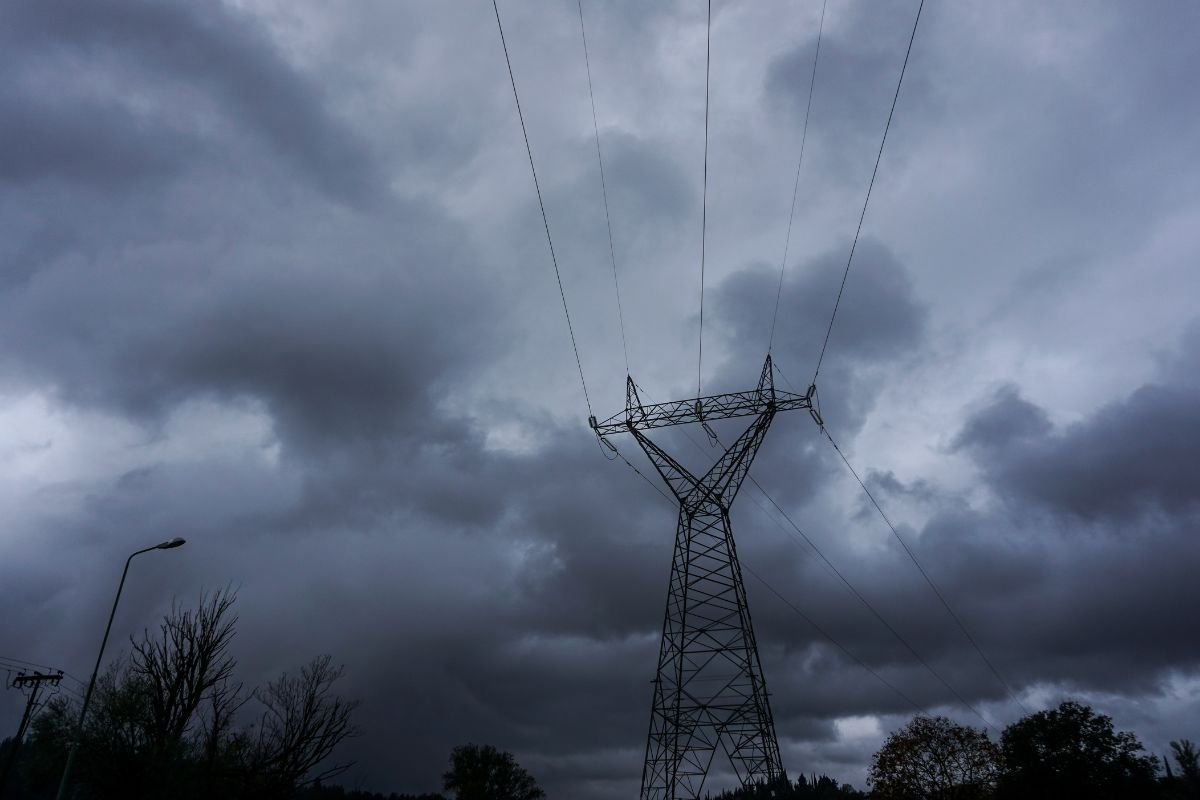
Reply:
x=26, y=663
x=796, y=186
x=913, y=557
x=875, y=612
x=604, y=188
x=958, y=621
x=916, y=706
x=20, y=663
x=870, y=186
x=704, y=194
x=545, y=222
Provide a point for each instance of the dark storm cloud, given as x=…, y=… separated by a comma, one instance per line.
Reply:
x=1007, y=419
x=879, y=325
x=650, y=190
x=189, y=59
x=1045, y=608
x=89, y=142
x=855, y=81
x=283, y=332
x=1019, y=573
x=176, y=276
x=1130, y=457
x=879, y=319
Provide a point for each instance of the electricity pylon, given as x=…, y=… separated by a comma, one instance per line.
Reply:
x=709, y=690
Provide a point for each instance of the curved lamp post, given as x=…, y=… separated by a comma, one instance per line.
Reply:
x=87, y=697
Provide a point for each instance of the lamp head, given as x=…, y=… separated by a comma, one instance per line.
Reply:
x=170, y=543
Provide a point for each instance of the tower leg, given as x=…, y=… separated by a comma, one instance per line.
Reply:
x=709, y=691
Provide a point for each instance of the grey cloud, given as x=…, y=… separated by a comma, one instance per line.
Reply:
x=1006, y=420
x=1129, y=457
x=855, y=82
x=89, y=142
x=177, y=48
x=175, y=256
x=879, y=317
x=287, y=331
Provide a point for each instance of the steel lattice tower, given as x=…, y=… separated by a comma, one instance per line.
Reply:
x=709, y=691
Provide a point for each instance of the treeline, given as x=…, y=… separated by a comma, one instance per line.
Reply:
x=1065, y=753
x=805, y=788
x=172, y=722
x=477, y=772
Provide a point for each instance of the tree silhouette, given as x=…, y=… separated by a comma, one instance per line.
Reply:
x=182, y=665
x=1070, y=753
x=485, y=773
x=162, y=724
x=1187, y=759
x=933, y=758
x=302, y=722
x=805, y=788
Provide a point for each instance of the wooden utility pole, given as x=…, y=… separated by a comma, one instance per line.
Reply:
x=34, y=683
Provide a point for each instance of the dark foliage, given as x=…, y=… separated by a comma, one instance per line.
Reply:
x=933, y=757
x=1073, y=753
x=805, y=788
x=485, y=773
x=1182, y=782
x=319, y=791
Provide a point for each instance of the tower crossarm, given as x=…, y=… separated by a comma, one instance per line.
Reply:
x=753, y=402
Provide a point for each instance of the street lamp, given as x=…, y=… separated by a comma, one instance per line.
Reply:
x=170, y=544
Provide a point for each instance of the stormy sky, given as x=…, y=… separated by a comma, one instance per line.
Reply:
x=273, y=278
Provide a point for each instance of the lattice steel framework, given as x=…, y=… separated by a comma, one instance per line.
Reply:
x=709, y=691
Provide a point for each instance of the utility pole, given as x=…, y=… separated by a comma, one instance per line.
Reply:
x=34, y=682
x=709, y=691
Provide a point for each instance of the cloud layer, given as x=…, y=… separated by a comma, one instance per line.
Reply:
x=274, y=279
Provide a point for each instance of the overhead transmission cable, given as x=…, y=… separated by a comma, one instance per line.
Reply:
x=916, y=706
x=796, y=185
x=863, y=215
x=27, y=664
x=941, y=597
x=938, y=592
x=704, y=193
x=612, y=252
x=541, y=205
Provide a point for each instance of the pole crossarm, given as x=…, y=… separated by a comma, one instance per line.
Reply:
x=34, y=684
x=638, y=416
x=36, y=678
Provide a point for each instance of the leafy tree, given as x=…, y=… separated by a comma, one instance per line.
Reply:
x=1187, y=759
x=485, y=773
x=933, y=758
x=1072, y=752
